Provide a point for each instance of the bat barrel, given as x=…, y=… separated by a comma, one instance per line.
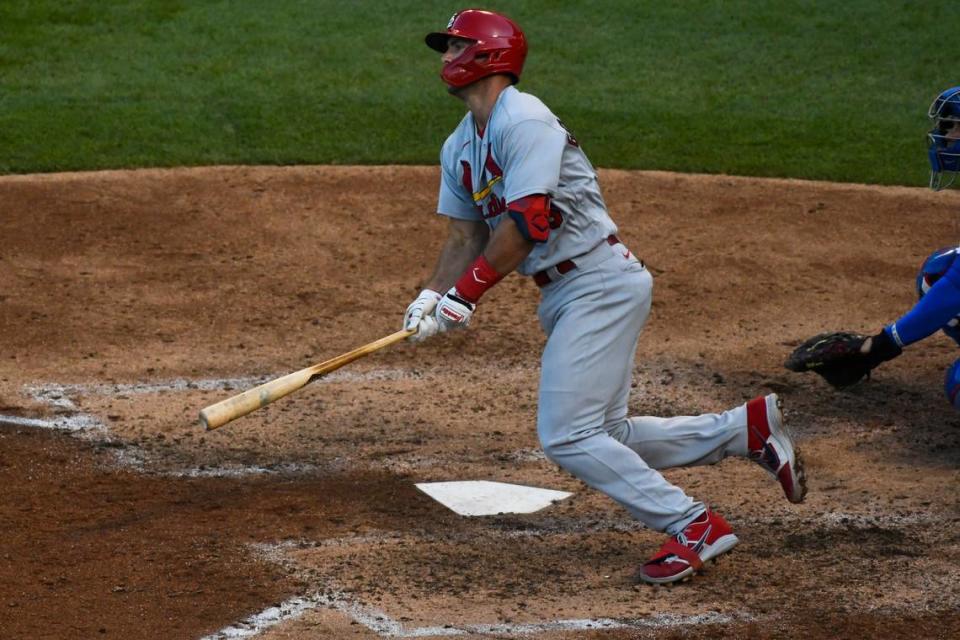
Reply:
x=219, y=414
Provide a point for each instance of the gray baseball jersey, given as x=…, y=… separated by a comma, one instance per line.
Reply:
x=592, y=314
x=524, y=150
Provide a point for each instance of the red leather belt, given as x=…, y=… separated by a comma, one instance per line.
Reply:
x=542, y=278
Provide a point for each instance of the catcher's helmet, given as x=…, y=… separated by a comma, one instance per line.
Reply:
x=944, y=152
x=499, y=46
x=933, y=268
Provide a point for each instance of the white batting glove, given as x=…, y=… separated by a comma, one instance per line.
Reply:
x=453, y=312
x=419, y=316
x=428, y=327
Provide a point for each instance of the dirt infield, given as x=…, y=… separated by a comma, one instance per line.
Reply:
x=129, y=300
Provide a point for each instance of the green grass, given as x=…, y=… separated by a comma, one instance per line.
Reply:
x=816, y=89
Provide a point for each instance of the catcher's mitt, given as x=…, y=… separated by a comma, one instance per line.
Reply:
x=836, y=356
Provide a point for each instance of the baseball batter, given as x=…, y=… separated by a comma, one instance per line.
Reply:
x=521, y=195
x=844, y=358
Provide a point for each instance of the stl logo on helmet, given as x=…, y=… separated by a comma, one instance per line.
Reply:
x=453, y=19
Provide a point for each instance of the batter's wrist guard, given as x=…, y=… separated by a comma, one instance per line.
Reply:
x=478, y=277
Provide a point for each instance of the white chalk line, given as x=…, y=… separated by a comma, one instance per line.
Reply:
x=253, y=625
x=379, y=622
x=133, y=457
x=59, y=398
x=385, y=626
x=56, y=393
x=78, y=422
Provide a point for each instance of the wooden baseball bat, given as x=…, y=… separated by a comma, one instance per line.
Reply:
x=219, y=414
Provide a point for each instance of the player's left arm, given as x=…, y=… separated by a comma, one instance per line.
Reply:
x=934, y=310
x=508, y=246
x=532, y=151
x=505, y=250
x=466, y=239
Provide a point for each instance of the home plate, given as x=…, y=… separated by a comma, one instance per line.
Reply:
x=485, y=498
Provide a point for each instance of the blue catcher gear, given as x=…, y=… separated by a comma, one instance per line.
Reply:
x=951, y=384
x=944, y=150
x=932, y=270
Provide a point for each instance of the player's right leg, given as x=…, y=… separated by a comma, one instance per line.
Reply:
x=592, y=322
x=592, y=332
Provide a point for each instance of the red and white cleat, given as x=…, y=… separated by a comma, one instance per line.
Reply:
x=684, y=554
x=771, y=447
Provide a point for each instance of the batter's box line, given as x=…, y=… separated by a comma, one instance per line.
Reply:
x=55, y=393
x=58, y=396
x=384, y=626
x=60, y=399
x=330, y=596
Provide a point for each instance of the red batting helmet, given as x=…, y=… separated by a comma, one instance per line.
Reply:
x=499, y=47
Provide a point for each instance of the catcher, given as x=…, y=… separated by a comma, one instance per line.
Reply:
x=844, y=358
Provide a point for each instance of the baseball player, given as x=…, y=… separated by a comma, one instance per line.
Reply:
x=520, y=195
x=844, y=358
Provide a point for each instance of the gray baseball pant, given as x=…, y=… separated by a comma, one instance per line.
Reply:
x=593, y=317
